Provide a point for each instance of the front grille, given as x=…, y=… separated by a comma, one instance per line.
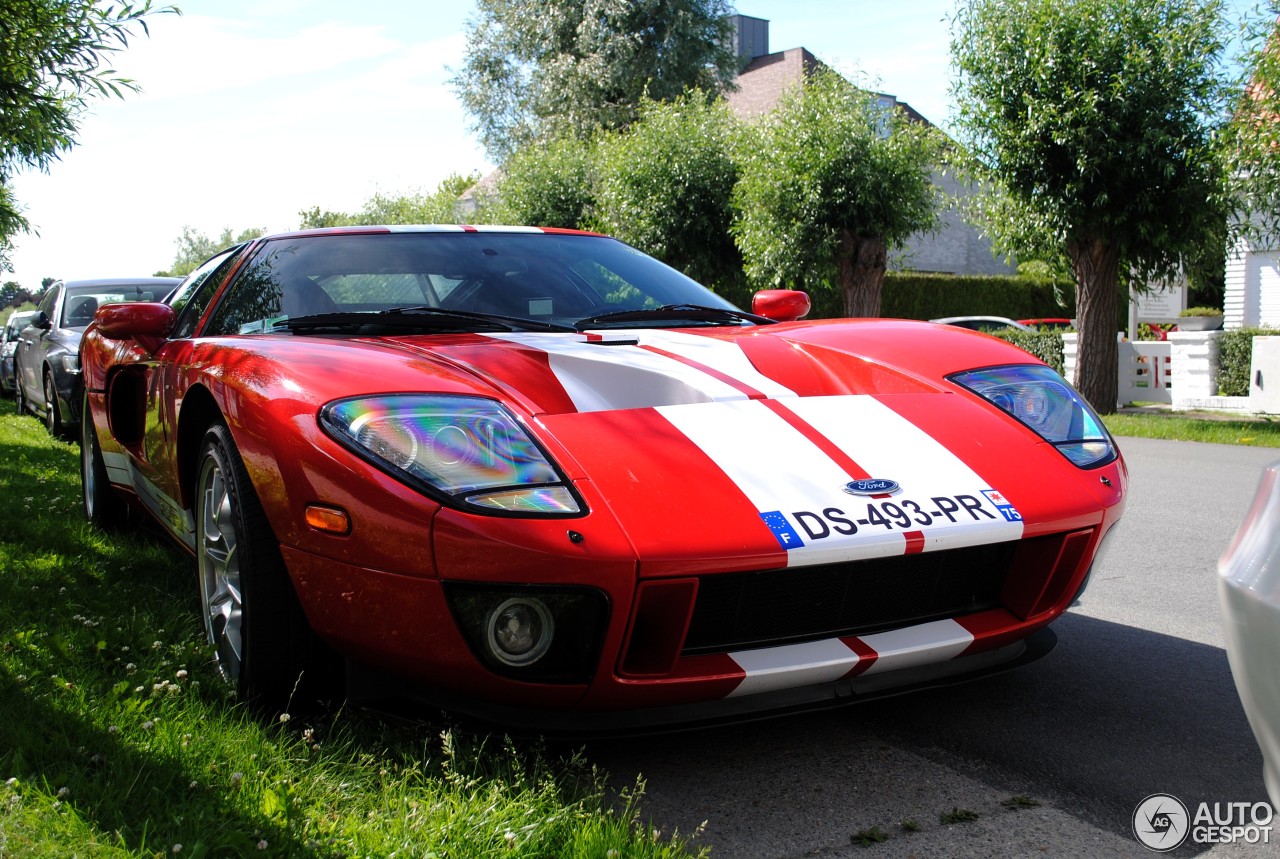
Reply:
x=741, y=610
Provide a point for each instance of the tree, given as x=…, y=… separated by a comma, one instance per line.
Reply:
x=11, y=294
x=194, y=247
x=547, y=184
x=315, y=217
x=1094, y=122
x=439, y=207
x=51, y=53
x=545, y=68
x=665, y=185
x=1252, y=139
x=830, y=183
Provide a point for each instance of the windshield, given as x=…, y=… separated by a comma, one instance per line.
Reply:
x=554, y=280
x=82, y=302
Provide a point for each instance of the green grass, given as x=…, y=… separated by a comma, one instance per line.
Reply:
x=1189, y=426
x=118, y=739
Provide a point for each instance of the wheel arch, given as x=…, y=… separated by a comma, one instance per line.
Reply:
x=199, y=412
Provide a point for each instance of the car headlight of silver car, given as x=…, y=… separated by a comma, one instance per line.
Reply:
x=467, y=451
x=1040, y=398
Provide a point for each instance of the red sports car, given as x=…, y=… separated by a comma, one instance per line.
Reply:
x=539, y=477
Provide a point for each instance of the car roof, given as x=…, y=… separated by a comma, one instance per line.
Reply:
x=99, y=282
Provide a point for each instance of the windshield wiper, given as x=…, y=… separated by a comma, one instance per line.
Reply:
x=432, y=319
x=676, y=313
x=514, y=323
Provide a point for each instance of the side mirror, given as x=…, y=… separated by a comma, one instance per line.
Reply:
x=147, y=322
x=781, y=305
x=42, y=321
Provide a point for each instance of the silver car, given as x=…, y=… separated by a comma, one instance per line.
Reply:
x=8, y=345
x=1249, y=595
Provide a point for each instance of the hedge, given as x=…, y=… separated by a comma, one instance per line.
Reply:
x=1045, y=345
x=1235, y=359
x=910, y=295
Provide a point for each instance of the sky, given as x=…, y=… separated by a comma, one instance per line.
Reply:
x=253, y=110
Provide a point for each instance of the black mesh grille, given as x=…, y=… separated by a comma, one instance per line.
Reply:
x=738, y=610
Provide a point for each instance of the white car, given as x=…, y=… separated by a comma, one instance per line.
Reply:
x=1249, y=594
x=8, y=344
x=983, y=323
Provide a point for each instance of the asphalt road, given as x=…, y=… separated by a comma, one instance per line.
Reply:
x=1137, y=699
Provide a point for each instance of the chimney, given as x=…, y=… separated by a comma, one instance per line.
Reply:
x=750, y=38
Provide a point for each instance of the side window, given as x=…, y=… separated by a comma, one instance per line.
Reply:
x=49, y=301
x=193, y=295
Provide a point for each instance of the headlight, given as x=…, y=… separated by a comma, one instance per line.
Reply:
x=71, y=362
x=1040, y=399
x=469, y=451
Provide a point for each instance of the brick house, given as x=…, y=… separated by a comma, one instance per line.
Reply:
x=956, y=248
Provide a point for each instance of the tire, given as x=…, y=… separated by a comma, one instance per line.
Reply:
x=19, y=397
x=103, y=506
x=52, y=416
x=264, y=646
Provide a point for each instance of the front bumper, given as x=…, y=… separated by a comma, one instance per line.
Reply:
x=652, y=671
x=1249, y=596
x=380, y=690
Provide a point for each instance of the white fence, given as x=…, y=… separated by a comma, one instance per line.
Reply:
x=1181, y=371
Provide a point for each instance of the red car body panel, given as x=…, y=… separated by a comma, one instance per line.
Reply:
x=622, y=413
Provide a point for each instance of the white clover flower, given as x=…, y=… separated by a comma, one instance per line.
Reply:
x=181, y=674
x=130, y=667
x=284, y=717
x=236, y=778
x=194, y=785
x=113, y=729
x=13, y=781
x=156, y=645
x=510, y=838
x=63, y=791
x=148, y=725
x=262, y=845
x=177, y=848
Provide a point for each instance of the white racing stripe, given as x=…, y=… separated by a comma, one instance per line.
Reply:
x=605, y=377
x=779, y=470
x=937, y=641
x=889, y=446
x=721, y=356
x=770, y=669
x=799, y=490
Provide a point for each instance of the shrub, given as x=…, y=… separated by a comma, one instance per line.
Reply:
x=1045, y=345
x=1235, y=360
x=1201, y=311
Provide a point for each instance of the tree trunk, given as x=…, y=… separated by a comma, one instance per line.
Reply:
x=1096, y=264
x=861, y=263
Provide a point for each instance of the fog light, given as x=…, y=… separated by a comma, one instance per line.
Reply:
x=519, y=631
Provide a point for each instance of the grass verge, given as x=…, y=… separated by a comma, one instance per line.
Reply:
x=1214, y=429
x=118, y=739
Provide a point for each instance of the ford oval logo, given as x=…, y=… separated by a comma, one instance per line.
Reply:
x=872, y=486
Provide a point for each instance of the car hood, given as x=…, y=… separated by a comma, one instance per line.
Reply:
x=561, y=373
x=743, y=443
